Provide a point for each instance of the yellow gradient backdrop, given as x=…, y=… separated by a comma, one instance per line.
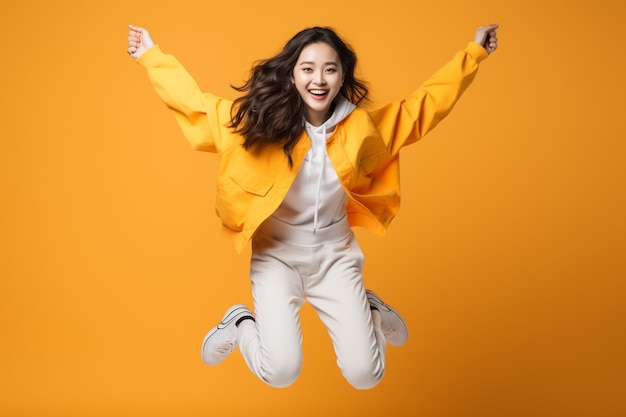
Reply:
x=507, y=258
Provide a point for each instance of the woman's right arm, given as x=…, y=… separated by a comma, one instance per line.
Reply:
x=201, y=116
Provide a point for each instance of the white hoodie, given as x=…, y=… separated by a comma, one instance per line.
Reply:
x=316, y=199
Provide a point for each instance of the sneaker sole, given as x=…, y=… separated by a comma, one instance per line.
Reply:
x=386, y=309
x=230, y=315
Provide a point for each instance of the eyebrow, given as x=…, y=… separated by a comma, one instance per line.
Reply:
x=313, y=63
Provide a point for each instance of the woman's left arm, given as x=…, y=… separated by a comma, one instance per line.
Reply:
x=405, y=122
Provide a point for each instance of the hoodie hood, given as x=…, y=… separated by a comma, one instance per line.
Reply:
x=316, y=199
x=317, y=162
x=343, y=108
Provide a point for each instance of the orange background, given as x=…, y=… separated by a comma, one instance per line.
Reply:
x=507, y=258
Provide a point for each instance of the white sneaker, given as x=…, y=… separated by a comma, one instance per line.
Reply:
x=221, y=340
x=394, y=328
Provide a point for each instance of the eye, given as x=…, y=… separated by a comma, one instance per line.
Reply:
x=307, y=69
x=332, y=69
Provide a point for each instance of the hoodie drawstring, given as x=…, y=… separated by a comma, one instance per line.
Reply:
x=322, y=163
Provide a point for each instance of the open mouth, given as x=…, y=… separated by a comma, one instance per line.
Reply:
x=318, y=93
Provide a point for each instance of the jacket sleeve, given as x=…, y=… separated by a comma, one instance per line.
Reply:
x=405, y=122
x=201, y=116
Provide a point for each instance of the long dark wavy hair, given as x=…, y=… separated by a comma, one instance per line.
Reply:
x=272, y=112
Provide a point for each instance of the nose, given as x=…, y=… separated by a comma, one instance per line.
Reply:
x=318, y=78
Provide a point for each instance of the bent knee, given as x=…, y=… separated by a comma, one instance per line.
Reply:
x=282, y=374
x=364, y=377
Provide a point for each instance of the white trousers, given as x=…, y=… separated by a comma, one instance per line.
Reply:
x=284, y=276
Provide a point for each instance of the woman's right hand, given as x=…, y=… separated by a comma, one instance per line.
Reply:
x=139, y=41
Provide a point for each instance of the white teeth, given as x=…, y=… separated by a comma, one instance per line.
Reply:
x=317, y=91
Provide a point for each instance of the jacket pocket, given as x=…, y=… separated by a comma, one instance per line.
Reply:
x=252, y=183
x=237, y=196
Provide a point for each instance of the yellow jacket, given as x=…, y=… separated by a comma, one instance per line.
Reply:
x=364, y=148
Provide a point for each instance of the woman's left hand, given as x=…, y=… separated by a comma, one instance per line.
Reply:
x=487, y=37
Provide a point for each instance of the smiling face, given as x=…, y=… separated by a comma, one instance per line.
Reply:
x=318, y=77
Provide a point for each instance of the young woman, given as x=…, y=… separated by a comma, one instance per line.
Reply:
x=300, y=164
